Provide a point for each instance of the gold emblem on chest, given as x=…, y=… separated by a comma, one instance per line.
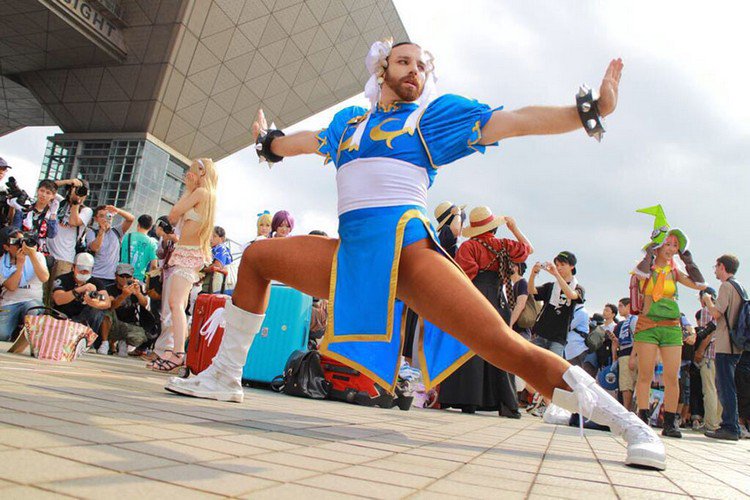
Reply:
x=378, y=134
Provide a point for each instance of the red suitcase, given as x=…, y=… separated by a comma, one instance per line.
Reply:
x=206, y=332
x=351, y=386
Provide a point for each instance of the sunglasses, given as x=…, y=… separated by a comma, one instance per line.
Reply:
x=126, y=276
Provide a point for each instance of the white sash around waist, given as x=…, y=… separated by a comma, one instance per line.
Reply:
x=380, y=182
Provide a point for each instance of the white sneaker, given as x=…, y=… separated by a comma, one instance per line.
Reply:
x=744, y=433
x=645, y=449
x=122, y=348
x=208, y=384
x=104, y=348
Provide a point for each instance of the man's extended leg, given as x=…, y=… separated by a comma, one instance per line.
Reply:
x=438, y=292
x=303, y=262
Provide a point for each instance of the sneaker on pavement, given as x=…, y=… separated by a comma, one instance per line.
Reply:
x=722, y=434
x=208, y=384
x=104, y=348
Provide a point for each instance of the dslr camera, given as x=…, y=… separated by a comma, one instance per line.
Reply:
x=15, y=192
x=30, y=238
x=704, y=331
x=95, y=295
x=165, y=225
x=81, y=191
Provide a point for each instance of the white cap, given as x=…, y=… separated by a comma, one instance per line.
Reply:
x=84, y=260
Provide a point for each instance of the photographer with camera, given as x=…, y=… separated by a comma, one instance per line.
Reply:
x=705, y=359
x=103, y=240
x=22, y=272
x=5, y=210
x=37, y=219
x=83, y=298
x=72, y=218
x=130, y=314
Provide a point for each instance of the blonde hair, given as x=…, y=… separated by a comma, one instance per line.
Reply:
x=264, y=218
x=206, y=171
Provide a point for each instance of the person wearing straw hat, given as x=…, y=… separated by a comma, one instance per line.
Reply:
x=487, y=260
x=450, y=219
x=386, y=157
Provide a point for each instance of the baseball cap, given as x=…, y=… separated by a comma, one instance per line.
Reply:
x=84, y=261
x=4, y=164
x=568, y=258
x=123, y=268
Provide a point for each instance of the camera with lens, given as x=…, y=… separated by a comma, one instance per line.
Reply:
x=82, y=190
x=704, y=331
x=15, y=192
x=95, y=295
x=165, y=226
x=130, y=281
x=29, y=238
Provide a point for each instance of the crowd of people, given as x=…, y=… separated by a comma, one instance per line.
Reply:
x=131, y=280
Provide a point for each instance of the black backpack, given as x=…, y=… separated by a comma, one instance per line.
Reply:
x=303, y=376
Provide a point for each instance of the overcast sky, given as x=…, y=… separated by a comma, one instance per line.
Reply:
x=679, y=136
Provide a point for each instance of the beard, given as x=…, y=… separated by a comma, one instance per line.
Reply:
x=401, y=87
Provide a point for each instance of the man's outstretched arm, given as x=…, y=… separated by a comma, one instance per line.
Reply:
x=298, y=143
x=546, y=120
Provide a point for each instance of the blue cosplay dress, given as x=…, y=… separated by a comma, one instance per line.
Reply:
x=382, y=187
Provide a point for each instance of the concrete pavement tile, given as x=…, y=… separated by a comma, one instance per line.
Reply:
x=32, y=438
x=436, y=463
x=497, y=473
x=174, y=451
x=708, y=489
x=565, y=492
x=404, y=478
x=460, y=489
x=260, y=440
x=646, y=482
x=207, y=479
x=518, y=485
x=111, y=457
x=25, y=420
x=506, y=464
x=196, y=430
x=222, y=446
x=575, y=485
x=433, y=495
x=295, y=492
x=27, y=493
x=123, y=486
x=99, y=435
x=152, y=432
x=350, y=485
x=420, y=470
x=259, y=468
x=33, y=467
x=626, y=492
x=302, y=462
x=331, y=455
x=348, y=447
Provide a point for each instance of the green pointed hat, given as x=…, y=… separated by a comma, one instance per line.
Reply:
x=662, y=229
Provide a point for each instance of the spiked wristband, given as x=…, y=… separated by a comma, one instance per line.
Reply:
x=588, y=112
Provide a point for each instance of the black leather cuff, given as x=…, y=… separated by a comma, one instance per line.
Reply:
x=588, y=112
x=263, y=146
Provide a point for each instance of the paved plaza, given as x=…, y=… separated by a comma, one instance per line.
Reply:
x=104, y=427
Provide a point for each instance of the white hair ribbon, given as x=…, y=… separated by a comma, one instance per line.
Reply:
x=376, y=64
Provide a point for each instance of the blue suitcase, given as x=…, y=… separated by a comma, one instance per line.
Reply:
x=285, y=329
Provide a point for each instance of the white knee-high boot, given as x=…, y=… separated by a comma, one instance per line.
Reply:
x=588, y=399
x=223, y=379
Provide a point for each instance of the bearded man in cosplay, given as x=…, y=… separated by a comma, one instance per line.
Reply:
x=388, y=257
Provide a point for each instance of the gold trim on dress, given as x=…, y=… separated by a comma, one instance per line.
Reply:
x=322, y=142
x=378, y=134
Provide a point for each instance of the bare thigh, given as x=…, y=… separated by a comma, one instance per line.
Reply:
x=302, y=262
x=439, y=292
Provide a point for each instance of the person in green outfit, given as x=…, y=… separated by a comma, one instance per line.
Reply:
x=139, y=249
x=658, y=330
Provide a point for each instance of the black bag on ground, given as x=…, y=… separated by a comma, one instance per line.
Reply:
x=303, y=376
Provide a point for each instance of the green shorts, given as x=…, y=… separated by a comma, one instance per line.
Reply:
x=660, y=335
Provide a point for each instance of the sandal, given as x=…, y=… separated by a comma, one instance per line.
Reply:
x=152, y=358
x=169, y=366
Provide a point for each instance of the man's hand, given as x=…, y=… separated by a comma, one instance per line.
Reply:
x=21, y=257
x=88, y=287
x=537, y=267
x=259, y=125
x=89, y=301
x=27, y=250
x=551, y=268
x=609, y=89
x=135, y=289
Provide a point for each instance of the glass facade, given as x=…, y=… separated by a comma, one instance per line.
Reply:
x=134, y=174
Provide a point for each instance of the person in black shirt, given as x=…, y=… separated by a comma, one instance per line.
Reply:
x=81, y=297
x=560, y=298
x=130, y=310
